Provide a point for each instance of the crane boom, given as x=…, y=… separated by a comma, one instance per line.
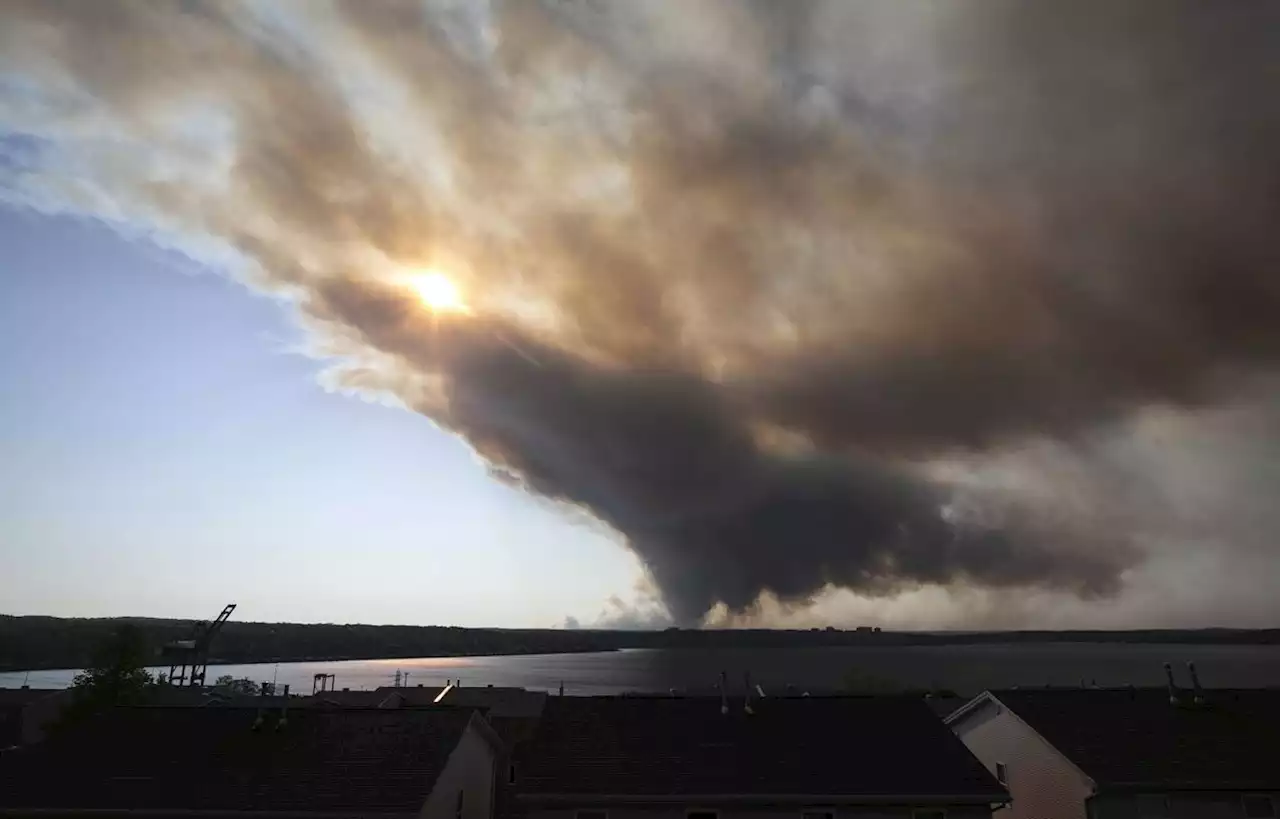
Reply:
x=194, y=651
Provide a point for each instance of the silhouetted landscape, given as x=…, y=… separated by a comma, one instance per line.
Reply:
x=53, y=642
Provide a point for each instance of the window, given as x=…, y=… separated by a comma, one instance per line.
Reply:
x=702, y=814
x=928, y=813
x=592, y=814
x=1258, y=806
x=1002, y=773
x=818, y=814
x=1153, y=806
x=457, y=810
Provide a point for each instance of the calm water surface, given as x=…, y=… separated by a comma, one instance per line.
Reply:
x=963, y=668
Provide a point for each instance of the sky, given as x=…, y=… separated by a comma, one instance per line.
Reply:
x=168, y=450
x=767, y=314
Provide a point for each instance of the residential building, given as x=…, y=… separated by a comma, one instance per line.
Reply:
x=1146, y=753
x=640, y=757
x=25, y=713
x=243, y=762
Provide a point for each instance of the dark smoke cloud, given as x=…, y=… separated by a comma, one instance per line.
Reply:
x=752, y=282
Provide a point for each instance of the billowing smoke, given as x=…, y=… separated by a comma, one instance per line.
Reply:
x=772, y=289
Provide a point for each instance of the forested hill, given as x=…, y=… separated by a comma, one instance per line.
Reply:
x=52, y=642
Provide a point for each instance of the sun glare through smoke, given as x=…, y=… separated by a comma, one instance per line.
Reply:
x=438, y=292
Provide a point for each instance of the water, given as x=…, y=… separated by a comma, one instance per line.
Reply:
x=966, y=669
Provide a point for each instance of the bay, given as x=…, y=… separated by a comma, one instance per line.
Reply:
x=966, y=669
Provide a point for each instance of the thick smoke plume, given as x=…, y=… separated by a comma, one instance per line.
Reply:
x=770, y=288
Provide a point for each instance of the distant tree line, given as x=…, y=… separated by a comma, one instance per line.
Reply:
x=52, y=642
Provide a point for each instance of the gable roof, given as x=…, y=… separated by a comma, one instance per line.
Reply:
x=370, y=760
x=380, y=698
x=852, y=747
x=416, y=695
x=14, y=703
x=498, y=701
x=20, y=697
x=1134, y=738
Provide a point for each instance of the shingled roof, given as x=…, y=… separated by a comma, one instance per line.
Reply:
x=1134, y=738
x=12, y=703
x=833, y=747
x=366, y=760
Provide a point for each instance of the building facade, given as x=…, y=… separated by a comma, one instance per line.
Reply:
x=1129, y=753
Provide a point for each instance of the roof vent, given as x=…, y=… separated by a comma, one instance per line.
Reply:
x=746, y=705
x=1173, y=687
x=724, y=693
x=1195, y=684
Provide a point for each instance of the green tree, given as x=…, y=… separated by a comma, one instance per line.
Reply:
x=117, y=676
x=231, y=685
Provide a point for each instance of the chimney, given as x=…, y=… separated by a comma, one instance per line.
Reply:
x=724, y=693
x=562, y=688
x=1195, y=684
x=283, y=722
x=1173, y=687
x=746, y=705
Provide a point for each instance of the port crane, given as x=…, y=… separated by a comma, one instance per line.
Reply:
x=193, y=653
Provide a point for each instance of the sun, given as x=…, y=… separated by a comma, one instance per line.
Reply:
x=438, y=293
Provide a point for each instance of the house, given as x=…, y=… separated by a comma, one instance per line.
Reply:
x=637, y=757
x=1147, y=753
x=26, y=712
x=512, y=712
x=378, y=698
x=500, y=701
x=243, y=762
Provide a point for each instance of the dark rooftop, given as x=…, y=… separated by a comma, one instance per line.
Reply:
x=19, y=697
x=370, y=760
x=412, y=695
x=1135, y=738
x=824, y=746
x=13, y=701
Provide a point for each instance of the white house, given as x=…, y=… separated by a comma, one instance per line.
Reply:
x=1086, y=753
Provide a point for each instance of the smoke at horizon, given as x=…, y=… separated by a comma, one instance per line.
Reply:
x=797, y=298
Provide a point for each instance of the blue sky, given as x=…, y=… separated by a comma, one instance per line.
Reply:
x=166, y=452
